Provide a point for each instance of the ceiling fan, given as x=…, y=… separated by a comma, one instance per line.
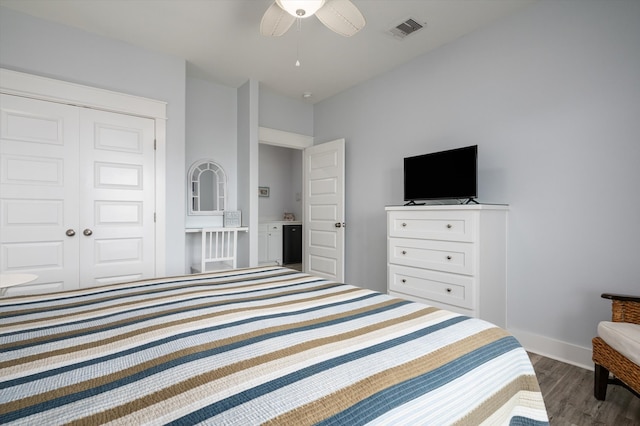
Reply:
x=340, y=16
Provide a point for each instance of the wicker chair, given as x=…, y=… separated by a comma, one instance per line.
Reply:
x=607, y=359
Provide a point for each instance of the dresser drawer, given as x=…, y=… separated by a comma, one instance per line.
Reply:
x=446, y=225
x=436, y=255
x=456, y=290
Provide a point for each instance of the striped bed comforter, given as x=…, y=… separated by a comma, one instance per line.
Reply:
x=251, y=346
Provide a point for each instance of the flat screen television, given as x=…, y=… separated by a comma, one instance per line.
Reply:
x=451, y=174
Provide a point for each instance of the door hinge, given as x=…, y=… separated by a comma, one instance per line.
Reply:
x=154, y=144
x=154, y=217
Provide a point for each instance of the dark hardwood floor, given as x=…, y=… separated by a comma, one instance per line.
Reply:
x=568, y=396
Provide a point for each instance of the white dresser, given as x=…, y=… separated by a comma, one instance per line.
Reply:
x=450, y=256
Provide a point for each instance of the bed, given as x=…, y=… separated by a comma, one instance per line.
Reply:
x=266, y=345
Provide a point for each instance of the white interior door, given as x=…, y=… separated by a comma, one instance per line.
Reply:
x=117, y=197
x=324, y=226
x=39, y=191
x=77, y=195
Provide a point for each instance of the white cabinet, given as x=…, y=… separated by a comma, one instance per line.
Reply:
x=450, y=256
x=270, y=243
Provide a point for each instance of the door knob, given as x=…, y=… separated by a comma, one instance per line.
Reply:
x=70, y=232
x=87, y=232
x=338, y=225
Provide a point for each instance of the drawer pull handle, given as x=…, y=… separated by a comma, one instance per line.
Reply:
x=404, y=281
x=448, y=290
x=448, y=257
x=404, y=252
x=404, y=224
x=449, y=226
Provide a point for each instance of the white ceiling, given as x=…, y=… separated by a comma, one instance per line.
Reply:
x=220, y=39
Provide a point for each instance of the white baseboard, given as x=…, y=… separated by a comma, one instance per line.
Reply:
x=555, y=349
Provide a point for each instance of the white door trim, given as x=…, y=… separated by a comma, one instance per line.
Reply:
x=284, y=139
x=48, y=89
x=43, y=88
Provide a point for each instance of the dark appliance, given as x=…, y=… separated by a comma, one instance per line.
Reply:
x=291, y=244
x=442, y=175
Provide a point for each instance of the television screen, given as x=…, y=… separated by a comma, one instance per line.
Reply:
x=442, y=175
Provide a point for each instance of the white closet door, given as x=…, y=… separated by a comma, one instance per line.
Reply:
x=39, y=191
x=77, y=195
x=117, y=197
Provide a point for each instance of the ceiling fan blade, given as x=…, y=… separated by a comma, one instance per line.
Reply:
x=342, y=17
x=275, y=21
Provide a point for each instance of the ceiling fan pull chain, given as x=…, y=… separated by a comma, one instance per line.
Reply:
x=299, y=27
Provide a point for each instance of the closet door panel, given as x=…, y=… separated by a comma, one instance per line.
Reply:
x=117, y=197
x=39, y=192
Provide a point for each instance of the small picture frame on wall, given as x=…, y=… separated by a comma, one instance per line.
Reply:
x=263, y=191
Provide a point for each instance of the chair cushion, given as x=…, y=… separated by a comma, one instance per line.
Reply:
x=624, y=337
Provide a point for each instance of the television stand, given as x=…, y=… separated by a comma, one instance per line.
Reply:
x=413, y=203
x=471, y=201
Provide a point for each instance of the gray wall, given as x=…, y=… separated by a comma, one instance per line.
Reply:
x=281, y=113
x=43, y=48
x=281, y=168
x=281, y=171
x=211, y=133
x=552, y=98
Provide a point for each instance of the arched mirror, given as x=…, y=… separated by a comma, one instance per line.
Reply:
x=207, y=188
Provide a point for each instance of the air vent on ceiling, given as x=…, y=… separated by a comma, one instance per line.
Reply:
x=405, y=28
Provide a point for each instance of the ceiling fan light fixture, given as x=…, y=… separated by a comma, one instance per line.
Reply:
x=301, y=8
x=340, y=16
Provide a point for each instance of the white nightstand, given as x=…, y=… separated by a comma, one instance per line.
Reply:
x=10, y=280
